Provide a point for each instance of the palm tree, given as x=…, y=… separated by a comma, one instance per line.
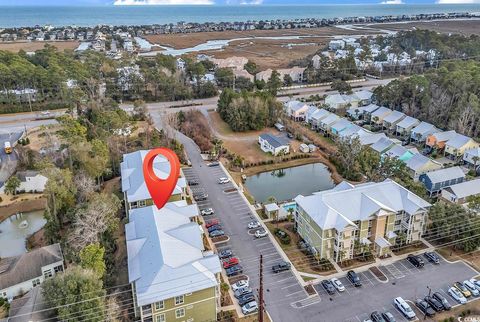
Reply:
x=475, y=159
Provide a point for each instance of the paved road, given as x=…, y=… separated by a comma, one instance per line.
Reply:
x=8, y=162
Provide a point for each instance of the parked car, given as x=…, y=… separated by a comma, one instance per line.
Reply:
x=281, y=266
x=193, y=182
x=230, y=262
x=476, y=283
x=242, y=291
x=213, y=164
x=439, y=297
x=200, y=196
x=253, y=225
x=234, y=270
x=338, y=285
x=223, y=180
x=465, y=292
x=376, y=317
x=217, y=233
x=432, y=257
x=388, y=317
x=247, y=298
x=261, y=233
x=434, y=303
x=207, y=212
x=211, y=223
x=457, y=295
x=328, y=286
x=250, y=307
x=404, y=308
x=214, y=227
x=415, y=261
x=424, y=307
x=226, y=253
x=354, y=279
x=471, y=287
x=290, y=135
x=240, y=284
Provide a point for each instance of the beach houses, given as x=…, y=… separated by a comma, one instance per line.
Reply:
x=369, y=138
x=352, y=131
x=20, y=274
x=172, y=274
x=133, y=184
x=456, y=146
x=310, y=111
x=382, y=145
x=379, y=115
x=392, y=119
x=368, y=110
x=399, y=152
x=439, y=139
x=458, y=193
x=339, y=126
x=405, y=126
x=419, y=164
x=340, y=102
x=435, y=181
x=364, y=97
x=325, y=123
x=274, y=144
x=471, y=158
x=317, y=116
x=420, y=132
x=296, y=110
x=334, y=221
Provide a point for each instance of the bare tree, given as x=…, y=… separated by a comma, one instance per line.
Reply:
x=85, y=186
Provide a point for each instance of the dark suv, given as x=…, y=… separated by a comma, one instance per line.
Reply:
x=415, y=261
x=328, y=286
x=280, y=267
x=432, y=257
x=354, y=279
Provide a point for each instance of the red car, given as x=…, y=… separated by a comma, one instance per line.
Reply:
x=230, y=262
x=211, y=223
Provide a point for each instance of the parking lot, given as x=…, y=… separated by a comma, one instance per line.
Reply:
x=404, y=280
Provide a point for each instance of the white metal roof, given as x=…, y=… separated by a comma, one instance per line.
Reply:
x=339, y=208
x=424, y=128
x=444, y=136
x=470, y=154
x=446, y=174
x=466, y=188
x=381, y=111
x=271, y=207
x=408, y=122
x=382, y=144
x=418, y=161
x=165, y=253
x=458, y=141
x=394, y=117
x=320, y=114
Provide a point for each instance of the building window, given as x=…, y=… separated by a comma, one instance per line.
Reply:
x=159, y=305
x=48, y=273
x=36, y=282
x=160, y=318
x=179, y=300
x=142, y=203
x=180, y=313
x=58, y=268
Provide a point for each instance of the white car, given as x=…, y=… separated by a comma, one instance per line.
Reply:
x=207, y=211
x=457, y=296
x=261, y=233
x=240, y=284
x=253, y=225
x=476, y=283
x=223, y=180
x=338, y=285
x=250, y=307
x=471, y=287
x=404, y=308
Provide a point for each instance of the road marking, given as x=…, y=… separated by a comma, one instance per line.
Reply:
x=290, y=294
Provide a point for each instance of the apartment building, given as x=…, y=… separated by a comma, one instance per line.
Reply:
x=377, y=215
x=173, y=276
x=133, y=184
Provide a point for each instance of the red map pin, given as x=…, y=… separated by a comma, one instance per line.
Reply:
x=161, y=189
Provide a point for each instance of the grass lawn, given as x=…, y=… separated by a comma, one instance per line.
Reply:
x=307, y=278
x=471, y=309
x=410, y=249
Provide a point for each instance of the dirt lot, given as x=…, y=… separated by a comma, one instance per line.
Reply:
x=464, y=27
x=36, y=45
x=42, y=137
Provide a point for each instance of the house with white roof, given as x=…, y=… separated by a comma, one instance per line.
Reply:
x=382, y=145
x=338, y=101
x=399, y=152
x=317, y=116
x=332, y=222
x=274, y=144
x=456, y=146
x=310, y=111
x=364, y=97
x=391, y=120
x=369, y=138
x=439, y=139
x=173, y=276
x=351, y=131
x=30, y=181
x=435, y=181
x=420, y=132
x=339, y=126
x=472, y=158
x=133, y=184
x=368, y=110
x=379, y=115
x=405, y=126
x=336, y=44
x=458, y=193
x=296, y=110
x=419, y=164
x=325, y=123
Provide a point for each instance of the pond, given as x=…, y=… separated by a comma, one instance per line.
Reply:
x=286, y=184
x=15, y=230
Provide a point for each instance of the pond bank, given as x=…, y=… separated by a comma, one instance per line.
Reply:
x=21, y=205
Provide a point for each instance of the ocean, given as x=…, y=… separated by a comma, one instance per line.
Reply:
x=23, y=16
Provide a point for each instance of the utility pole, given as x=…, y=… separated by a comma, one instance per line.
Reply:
x=260, y=295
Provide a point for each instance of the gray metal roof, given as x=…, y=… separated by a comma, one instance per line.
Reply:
x=394, y=117
x=466, y=188
x=446, y=174
x=458, y=141
x=424, y=128
x=275, y=141
x=418, y=161
x=408, y=122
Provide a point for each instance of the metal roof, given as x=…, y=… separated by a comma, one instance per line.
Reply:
x=465, y=189
x=446, y=174
x=275, y=141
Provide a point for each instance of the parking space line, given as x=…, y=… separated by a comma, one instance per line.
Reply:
x=290, y=294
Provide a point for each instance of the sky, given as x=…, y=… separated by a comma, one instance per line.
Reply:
x=221, y=2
